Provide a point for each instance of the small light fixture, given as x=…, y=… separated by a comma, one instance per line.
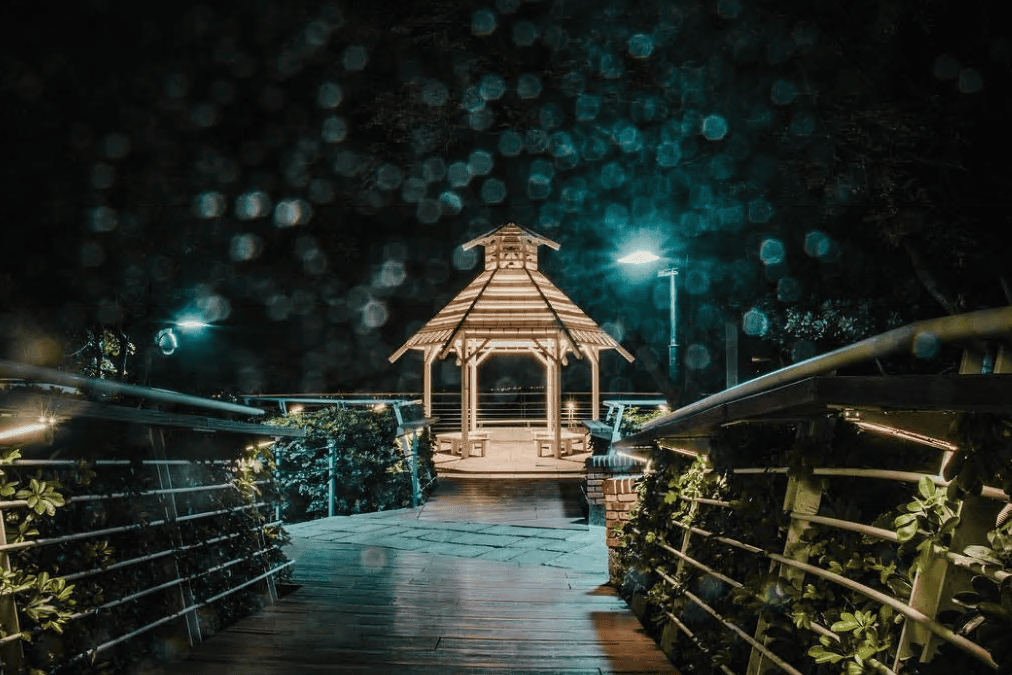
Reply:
x=908, y=435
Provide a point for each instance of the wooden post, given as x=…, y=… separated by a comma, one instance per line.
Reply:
x=557, y=396
x=11, y=654
x=933, y=582
x=465, y=445
x=803, y=496
x=549, y=380
x=473, y=386
x=430, y=356
x=595, y=383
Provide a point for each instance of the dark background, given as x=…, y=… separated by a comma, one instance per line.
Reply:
x=861, y=182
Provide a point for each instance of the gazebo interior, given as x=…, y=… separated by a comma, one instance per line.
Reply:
x=512, y=308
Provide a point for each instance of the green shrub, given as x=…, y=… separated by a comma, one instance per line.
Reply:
x=371, y=472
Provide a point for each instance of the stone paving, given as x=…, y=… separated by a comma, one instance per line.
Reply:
x=581, y=550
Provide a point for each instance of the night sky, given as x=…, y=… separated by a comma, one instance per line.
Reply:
x=301, y=175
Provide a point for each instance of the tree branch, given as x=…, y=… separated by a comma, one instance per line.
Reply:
x=928, y=280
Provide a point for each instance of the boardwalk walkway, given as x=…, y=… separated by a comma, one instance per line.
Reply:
x=498, y=577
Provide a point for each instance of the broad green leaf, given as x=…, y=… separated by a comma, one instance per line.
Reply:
x=949, y=525
x=905, y=519
x=845, y=626
x=926, y=487
x=907, y=532
x=821, y=655
x=982, y=553
x=866, y=651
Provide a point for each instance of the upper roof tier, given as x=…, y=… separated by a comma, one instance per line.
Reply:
x=511, y=302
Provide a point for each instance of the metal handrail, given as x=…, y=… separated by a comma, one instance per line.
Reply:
x=111, y=388
x=987, y=323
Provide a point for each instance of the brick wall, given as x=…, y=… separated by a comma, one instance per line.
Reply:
x=600, y=468
x=619, y=499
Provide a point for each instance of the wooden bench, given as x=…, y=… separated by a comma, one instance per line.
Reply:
x=545, y=439
x=476, y=439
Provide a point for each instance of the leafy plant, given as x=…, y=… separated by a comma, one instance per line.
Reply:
x=859, y=640
x=370, y=472
x=927, y=524
x=988, y=619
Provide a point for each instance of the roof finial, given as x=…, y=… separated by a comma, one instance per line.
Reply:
x=511, y=247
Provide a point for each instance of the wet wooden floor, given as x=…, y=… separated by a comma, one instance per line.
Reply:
x=555, y=502
x=366, y=609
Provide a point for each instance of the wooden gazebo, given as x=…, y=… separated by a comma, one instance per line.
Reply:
x=511, y=307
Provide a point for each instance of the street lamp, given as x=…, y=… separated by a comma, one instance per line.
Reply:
x=643, y=257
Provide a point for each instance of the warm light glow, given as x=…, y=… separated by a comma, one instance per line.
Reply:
x=681, y=451
x=638, y=258
x=907, y=435
x=379, y=406
x=21, y=431
x=295, y=409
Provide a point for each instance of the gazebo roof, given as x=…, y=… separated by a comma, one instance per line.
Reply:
x=511, y=304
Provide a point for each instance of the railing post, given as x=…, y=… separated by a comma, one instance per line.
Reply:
x=330, y=478
x=185, y=599
x=803, y=496
x=11, y=654
x=933, y=582
x=416, y=497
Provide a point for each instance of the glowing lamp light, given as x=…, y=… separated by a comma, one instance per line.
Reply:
x=21, y=431
x=192, y=323
x=639, y=258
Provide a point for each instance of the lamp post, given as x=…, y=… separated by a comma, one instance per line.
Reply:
x=643, y=257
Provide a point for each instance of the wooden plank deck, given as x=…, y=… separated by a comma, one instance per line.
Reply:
x=369, y=609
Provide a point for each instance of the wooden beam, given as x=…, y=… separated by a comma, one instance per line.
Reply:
x=429, y=358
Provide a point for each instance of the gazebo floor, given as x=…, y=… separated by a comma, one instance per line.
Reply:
x=511, y=452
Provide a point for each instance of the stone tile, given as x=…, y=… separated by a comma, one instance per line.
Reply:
x=588, y=564
x=528, y=543
x=402, y=543
x=564, y=546
x=467, y=551
x=501, y=554
x=362, y=538
x=438, y=535
x=481, y=539
x=466, y=527
x=535, y=557
x=514, y=530
x=444, y=548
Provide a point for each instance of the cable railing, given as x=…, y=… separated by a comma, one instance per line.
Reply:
x=523, y=408
x=904, y=415
x=128, y=512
